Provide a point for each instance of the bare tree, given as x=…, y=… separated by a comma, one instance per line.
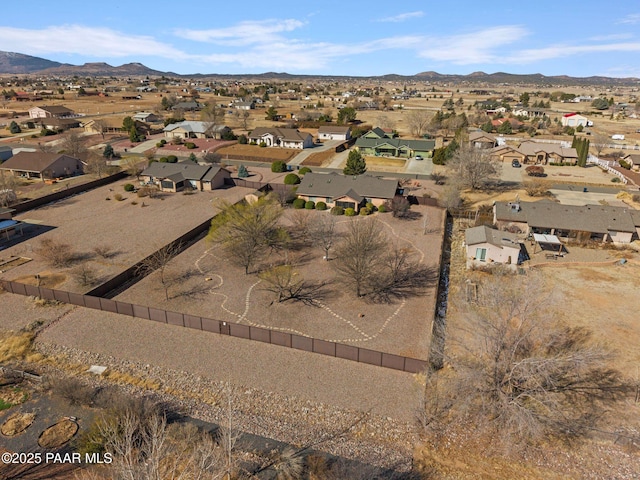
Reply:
x=247, y=231
x=323, y=233
x=159, y=262
x=600, y=142
x=300, y=224
x=451, y=196
x=212, y=115
x=8, y=186
x=474, y=167
x=521, y=372
x=358, y=256
x=282, y=280
x=100, y=126
x=73, y=144
x=211, y=157
x=96, y=164
x=418, y=121
x=84, y=275
x=133, y=166
x=55, y=253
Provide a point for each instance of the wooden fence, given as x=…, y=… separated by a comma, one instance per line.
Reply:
x=258, y=334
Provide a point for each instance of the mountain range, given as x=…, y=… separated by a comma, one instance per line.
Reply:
x=18, y=63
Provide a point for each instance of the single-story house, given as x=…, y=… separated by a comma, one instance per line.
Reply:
x=193, y=129
x=187, y=106
x=574, y=120
x=174, y=177
x=51, y=111
x=147, y=117
x=281, y=137
x=632, y=159
x=347, y=191
x=506, y=153
x=242, y=105
x=600, y=223
x=488, y=245
x=545, y=153
x=42, y=165
x=515, y=123
x=482, y=140
x=329, y=132
x=5, y=153
x=395, y=147
x=55, y=123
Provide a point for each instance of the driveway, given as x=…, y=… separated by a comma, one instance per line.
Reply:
x=304, y=154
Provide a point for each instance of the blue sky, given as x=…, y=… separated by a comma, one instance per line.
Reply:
x=337, y=37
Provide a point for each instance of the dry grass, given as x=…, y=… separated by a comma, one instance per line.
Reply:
x=17, y=423
x=319, y=158
x=15, y=346
x=128, y=379
x=385, y=162
x=253, y=151
x=57, y=435
x=47, y=279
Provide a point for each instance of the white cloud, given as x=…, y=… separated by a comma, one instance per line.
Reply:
x=244, y=33
x=402, y=17
x=630, y=19
x=559, y=51
x=614, y=36
x=472, y=48
x=82, y=40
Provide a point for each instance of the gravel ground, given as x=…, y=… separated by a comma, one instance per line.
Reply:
x=87, y=220
x=216, y=289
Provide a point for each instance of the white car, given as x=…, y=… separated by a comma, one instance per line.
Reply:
x=419, y=157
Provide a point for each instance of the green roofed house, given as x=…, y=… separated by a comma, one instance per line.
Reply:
x=395, y=147
x=346, y=191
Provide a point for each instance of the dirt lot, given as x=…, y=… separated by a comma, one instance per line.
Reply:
x=216, y=289
x=253, y=151
x=131, y=231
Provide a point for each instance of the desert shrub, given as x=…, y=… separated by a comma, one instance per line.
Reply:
x=159, y=144
x=299, y=203
x=304, y=171
x=371, y=207
x=278, y=166
x=535, y=188
x=118, y=197
x=84, y=275
x=190, y=145
x=291, y=179
x=176, y=141
x=263, y=144
x=172, y=159
x=242, y=139
x=321, y=206
x=364, y=212
x=382, y=208
x=349, y=212
x=636, y=197
x=56, y=254
x=104, y=251
x=74, y=391
x=310, y=205
x=337, y=210
x=162, y=141
x=535, y=171
x=616, y=180
x=624, y=164
x=128, y=187
x=147, y=192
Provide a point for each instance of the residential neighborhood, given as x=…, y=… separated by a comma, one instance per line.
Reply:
x=316, y=266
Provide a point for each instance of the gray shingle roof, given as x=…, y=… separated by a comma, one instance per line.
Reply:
x=184, y=171
x=31, y=161
x=484, y=234
x=420, y=145
x=287, y=134
x=590, y=218
x=335, y=185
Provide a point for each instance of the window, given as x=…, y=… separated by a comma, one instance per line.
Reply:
x=481, y=254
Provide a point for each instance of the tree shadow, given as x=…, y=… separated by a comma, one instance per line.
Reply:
x=410, y=282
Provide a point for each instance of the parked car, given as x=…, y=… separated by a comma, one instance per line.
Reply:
x=419, y=157
x=515, y=164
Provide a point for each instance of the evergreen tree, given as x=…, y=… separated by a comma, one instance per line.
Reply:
x=108, y=152
x=356, y=165
x=242, y=172
x=192, y=157
x=14, y=127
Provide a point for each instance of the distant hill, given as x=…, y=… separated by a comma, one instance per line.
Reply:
x=16, y=63
x=11, y=62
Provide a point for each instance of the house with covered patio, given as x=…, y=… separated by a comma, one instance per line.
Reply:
x=395, y=147
x=346, y=191
x=599, y=223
